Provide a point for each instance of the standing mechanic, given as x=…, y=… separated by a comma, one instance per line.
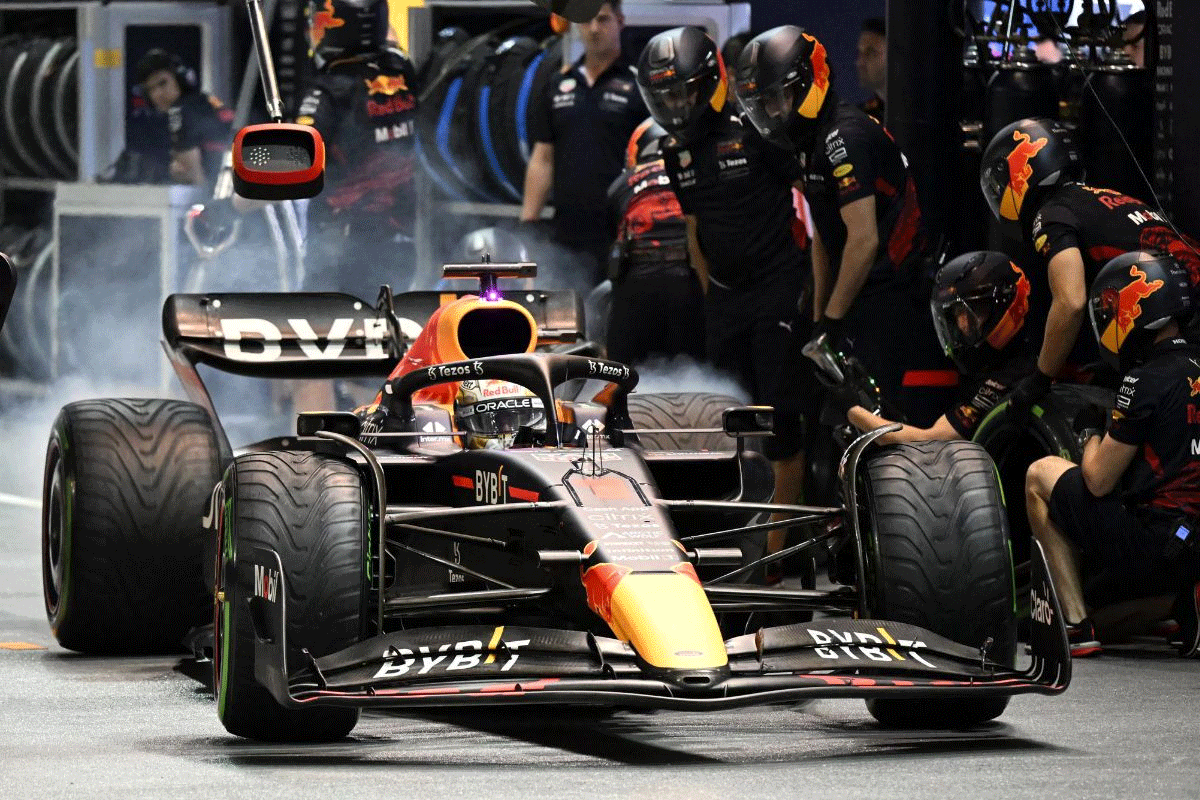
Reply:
x=869, y=248
x=363, y=101
x=198, y=124
x=979, y=305
x=1121, y=525
x=871, y=66
x=580, y=127
x=1030, y=177
x=657, y=303
x=736, y=192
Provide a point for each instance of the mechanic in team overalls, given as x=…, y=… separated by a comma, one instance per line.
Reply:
x=657, y=303
x=979, y=304
x=1122, y=525
x=197, y=122
x=736, y=192
x=580, y=127
x=1030, y=177
x=870, y=251
x=363, y=101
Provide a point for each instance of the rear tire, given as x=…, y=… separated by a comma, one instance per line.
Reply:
x=681, y=410
x=941, y=561
x=126, y=485
x=311, y=510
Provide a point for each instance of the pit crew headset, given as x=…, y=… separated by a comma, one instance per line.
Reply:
x=682, y=80
x=783, y=83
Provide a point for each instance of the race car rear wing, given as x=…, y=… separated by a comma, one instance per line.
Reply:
x=322, y=335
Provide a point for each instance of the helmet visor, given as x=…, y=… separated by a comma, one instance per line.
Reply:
x=673, y=105
x=958, y=322
x=769, y=109
x=993, y=180
x=501, y=416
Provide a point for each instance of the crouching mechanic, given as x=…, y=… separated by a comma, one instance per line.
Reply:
x=979, y=305
x=1119, y=526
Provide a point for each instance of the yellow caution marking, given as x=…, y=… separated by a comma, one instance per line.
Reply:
x=492, y=644
x=887, y=638
x=107, y=59
x=20, y=646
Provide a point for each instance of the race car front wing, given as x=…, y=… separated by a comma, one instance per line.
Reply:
x=828, y=657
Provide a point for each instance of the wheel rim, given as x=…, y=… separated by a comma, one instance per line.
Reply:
x=53, y=558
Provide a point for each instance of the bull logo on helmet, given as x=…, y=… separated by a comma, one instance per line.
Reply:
x=820, y=84
x=1019, y=173
x=1123, y=307
x=322, y=21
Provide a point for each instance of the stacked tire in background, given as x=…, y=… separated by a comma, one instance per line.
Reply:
x=473, y=123
x=39, y=125
x=25, y=337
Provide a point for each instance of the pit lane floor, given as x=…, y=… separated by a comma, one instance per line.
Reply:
x=147, y=727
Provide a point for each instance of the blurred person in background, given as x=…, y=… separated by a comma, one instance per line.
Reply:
x=198, y=124
x=580, y=127
x=871, y=65
x=657, y=303
x=1133, y=37
x=735, y=190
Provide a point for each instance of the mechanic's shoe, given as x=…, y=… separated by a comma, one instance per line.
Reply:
x=1081, y=636
x=1166, y=629
x=1187, y=614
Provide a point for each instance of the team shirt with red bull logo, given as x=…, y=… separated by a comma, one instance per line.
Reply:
x=365, y=110
x=856, y=157
x=589, y=127
x=739, y=187
x=1103, y=224
x=200, y=120
x=1157, y=410
x=651, y=230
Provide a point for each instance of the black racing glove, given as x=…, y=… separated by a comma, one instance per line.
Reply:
x=843, y=397
x=1027, y=392
x=834, y=331
x=212, y=224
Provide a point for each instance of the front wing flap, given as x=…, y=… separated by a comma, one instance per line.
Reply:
x=828, y=657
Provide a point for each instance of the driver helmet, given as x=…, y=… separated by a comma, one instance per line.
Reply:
x=491, y=413
x=645, y=144
x=681, y=77
x=1133, y=297
x=979, y=305
x=341, y=29
x=783, y=82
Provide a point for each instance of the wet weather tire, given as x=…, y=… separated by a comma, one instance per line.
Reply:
x=681, y=410
x=126, y=486
x=310, y=510
x=938, y=558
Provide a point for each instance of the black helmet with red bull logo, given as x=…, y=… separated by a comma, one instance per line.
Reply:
x=682, y=78
x=979, y=305
x=1022, y=163
x=645, y=144
x=1134, y=297
x=783, y=83
x=341, y=29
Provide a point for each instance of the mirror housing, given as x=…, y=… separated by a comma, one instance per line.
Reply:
x=278, y=161
x=344, y=422
x=749, y=421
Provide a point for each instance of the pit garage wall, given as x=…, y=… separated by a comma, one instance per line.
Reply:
x=1177, y=79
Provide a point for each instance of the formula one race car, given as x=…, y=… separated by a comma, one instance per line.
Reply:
x=363, y=565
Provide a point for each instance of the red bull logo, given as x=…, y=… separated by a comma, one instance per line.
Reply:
x=322, y=21
x=1124, y=306
x=1195, y=384
x=1019, y=173
x=820, y=85
x=386, y=84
